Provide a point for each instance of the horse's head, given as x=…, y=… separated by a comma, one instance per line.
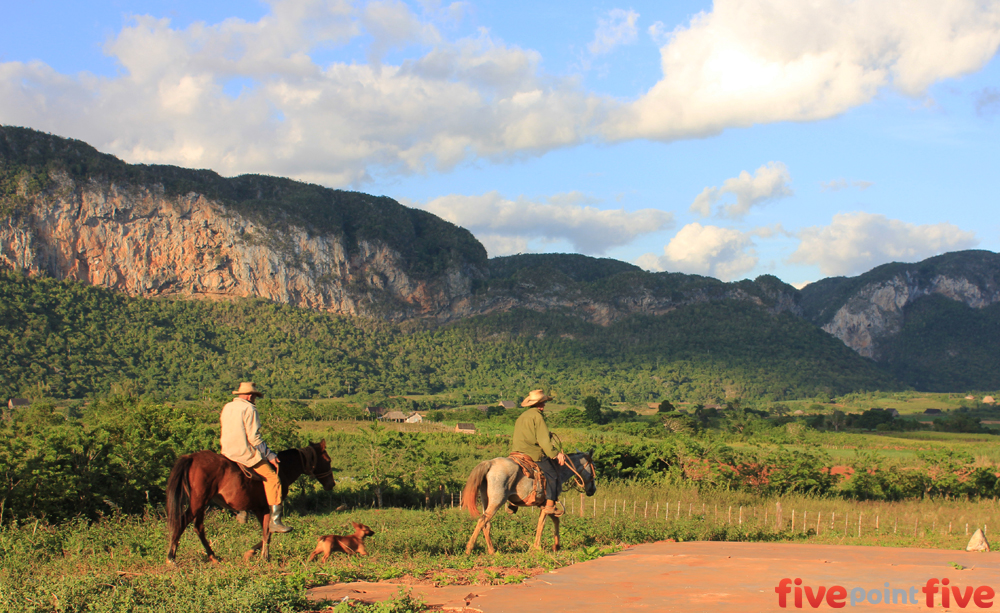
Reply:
x=322, y=470
x=583, y=468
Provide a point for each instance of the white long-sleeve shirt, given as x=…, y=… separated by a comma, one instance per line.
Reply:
x=241, y=440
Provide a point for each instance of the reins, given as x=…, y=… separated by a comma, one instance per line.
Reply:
x=580, y=481
x=309, y=458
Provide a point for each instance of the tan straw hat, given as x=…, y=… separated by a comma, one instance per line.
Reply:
x=535, y=398
x=247, y=387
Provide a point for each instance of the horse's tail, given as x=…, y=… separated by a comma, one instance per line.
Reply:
x=177, y=486
x=472, y=487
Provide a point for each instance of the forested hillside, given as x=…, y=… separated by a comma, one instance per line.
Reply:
x=945, y=345
x=65, y=339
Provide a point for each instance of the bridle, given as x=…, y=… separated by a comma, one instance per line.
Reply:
x=587, y=464
x=309, y=459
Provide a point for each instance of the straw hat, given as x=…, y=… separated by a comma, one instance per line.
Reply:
x=535, y=398
x=247, y=387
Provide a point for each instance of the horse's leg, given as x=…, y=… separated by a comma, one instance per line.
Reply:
x=199, y=526
x=175, y=534
x=555, y=540
x=490, y=512
x=481, y=523
x=248, y=555
x=265, y=541
x=538, y=532
x=475, y=534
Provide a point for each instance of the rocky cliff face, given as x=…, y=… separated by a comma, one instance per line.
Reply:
x=140, y=241
x=70, y=212
x=874, y=310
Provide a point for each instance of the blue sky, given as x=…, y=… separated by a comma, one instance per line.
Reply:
x=729, y=139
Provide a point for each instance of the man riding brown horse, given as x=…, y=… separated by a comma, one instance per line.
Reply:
x=242, y=443
x=533, y=439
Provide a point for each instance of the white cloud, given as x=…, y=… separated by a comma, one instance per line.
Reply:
x=505, y=226
x=332, y=123
x=769, y=182
x=723, y=253
x=857, y=242
x=336, y=123
x=658, y=33
x=838, y=184
x=616, y=28
x=392, y=24
x=759, y=61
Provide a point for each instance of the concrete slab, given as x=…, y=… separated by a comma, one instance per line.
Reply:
x=742, y=577
x=727, y=578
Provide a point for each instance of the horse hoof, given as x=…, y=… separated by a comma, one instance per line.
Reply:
x=214, y=560
x=248, y=556
x=171, y=562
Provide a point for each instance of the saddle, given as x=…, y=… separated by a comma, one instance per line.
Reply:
x=249, y=474
x=531, y=470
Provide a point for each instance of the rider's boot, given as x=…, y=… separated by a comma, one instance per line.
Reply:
x=511, y=508
x=550, y=509
x=276, y=525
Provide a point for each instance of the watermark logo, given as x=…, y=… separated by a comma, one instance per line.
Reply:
x=793, y=594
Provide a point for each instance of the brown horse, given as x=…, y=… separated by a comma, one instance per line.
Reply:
x=206, y=476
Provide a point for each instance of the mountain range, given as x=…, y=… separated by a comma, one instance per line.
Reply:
x=72, y=214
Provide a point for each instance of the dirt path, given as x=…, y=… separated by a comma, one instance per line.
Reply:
x=726, y=577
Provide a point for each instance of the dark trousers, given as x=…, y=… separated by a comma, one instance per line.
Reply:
x=550, y=468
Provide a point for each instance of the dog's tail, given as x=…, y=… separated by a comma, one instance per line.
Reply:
x=472, y=487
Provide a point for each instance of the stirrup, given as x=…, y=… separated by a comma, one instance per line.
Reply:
x=555, y=512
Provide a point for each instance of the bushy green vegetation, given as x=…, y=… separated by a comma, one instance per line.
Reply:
x=945, y=345
x=68, y=340
x=82, y=528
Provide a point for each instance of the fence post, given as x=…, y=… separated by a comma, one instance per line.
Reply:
x=777, y=517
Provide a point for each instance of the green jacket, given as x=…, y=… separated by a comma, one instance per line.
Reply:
x=532, y=436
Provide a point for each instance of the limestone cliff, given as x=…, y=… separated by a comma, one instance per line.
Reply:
x=146, y=232
x=70, y=212
x=867, y=311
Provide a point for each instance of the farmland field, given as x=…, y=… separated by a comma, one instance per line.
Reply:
x=96, y=542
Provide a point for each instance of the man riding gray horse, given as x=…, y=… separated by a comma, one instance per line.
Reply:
x=533, y=439
x=513, y=480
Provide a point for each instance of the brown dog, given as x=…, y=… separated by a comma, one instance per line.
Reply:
x=348, y=544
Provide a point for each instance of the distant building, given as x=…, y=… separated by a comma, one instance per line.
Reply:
x=970, y=397
x=13, y=403
x=507, y=404
x=653, y=405
x=988, y=400
x=799, y=412
x=414, y=418
x=932, y=412
x=893, y=412
x=375, y=412
x=394, y=416
x=483, y=409
x=466, y=428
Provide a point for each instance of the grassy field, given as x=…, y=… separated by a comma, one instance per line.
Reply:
x=117, y=564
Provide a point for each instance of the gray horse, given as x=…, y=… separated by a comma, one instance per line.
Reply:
x=500, y=480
